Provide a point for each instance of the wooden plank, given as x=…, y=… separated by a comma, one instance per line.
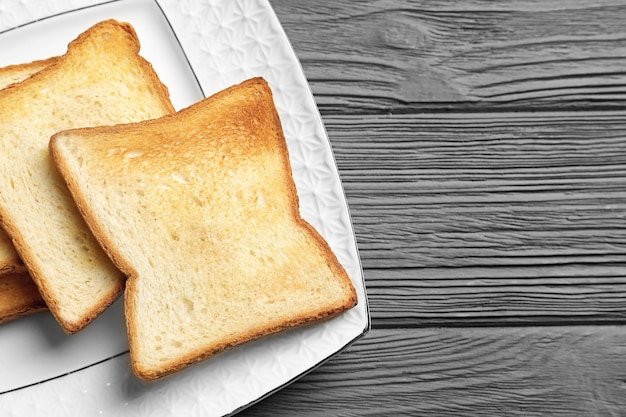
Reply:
x=477, y=218
x=396, y=56
x=496, y=296
x=529, y=371
x=485, y=190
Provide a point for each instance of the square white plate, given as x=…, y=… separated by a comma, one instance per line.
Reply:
x=197, y=48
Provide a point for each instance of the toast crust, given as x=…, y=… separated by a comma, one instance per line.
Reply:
x=19, y=297
x=70, y=93
x=243, y=111
x=16, y=73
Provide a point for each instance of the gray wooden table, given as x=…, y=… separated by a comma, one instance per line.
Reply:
x=482, y=147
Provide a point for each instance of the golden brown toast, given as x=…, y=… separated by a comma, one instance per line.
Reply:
x=200, y=210
x=16, y=73
x=18, y=294
x=19, y=297
x=9, y=259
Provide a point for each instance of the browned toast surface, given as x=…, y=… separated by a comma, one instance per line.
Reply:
x=200, y=210
x=11, y=74
x=19, y=296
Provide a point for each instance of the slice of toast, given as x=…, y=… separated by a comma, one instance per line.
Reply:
x=18, y=294
x=9, y=259
x=19, y=297
x=200, y=210
x=100, y=80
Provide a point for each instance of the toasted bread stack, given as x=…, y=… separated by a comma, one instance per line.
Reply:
x=195, y=212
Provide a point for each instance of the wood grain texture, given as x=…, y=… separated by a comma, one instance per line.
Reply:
x=488, y=218
x=528, y=371
x=482, y=148
x=401, y=55
x=472, y=190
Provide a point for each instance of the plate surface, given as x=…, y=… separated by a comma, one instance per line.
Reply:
x=197, y=48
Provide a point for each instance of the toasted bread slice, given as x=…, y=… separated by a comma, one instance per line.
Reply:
x=200, y=210
x=9, y=259
x=19, y=297
x=18, y=294
x=100, y=80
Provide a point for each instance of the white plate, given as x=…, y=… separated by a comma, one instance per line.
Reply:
x=197, y=48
